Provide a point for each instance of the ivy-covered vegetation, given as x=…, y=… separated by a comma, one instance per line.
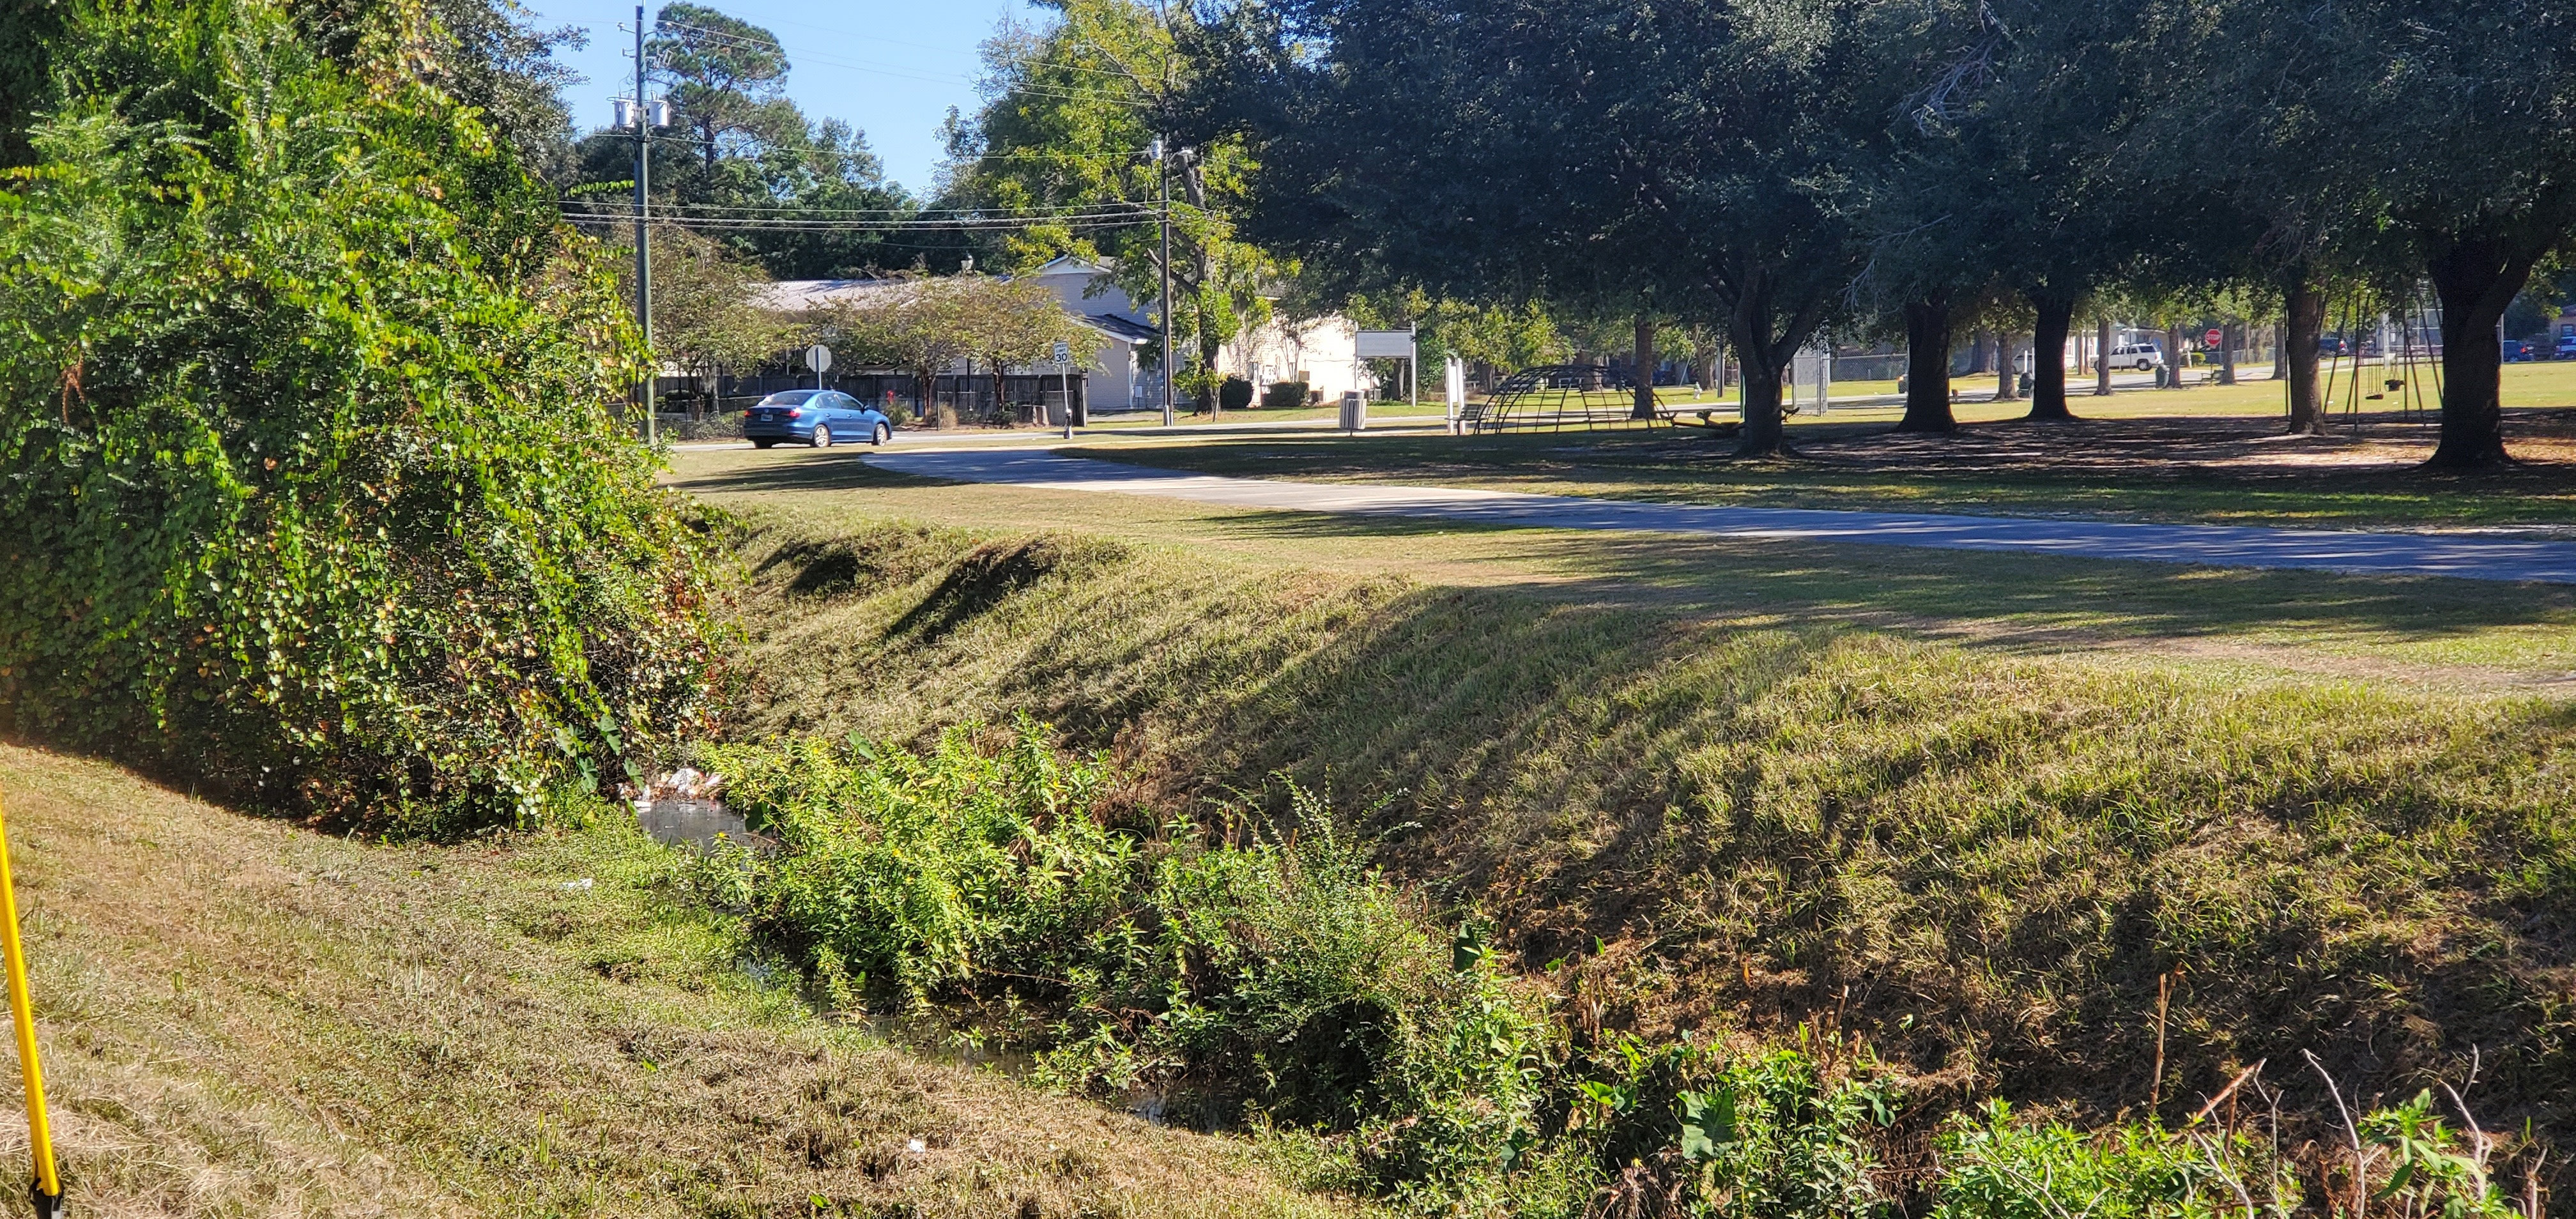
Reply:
x=315, y=489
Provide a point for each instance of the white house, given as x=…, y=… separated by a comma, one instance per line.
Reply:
x=1126, y=332
x=1113, y=380
x=1321, y=352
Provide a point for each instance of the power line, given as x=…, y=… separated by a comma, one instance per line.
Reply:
x=739, y=40
x=1068, y=211
x=786, y=224
x=861, y=66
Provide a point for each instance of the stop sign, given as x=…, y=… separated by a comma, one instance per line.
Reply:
x=2213, y=338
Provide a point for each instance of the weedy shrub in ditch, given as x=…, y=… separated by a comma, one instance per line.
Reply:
x=306, y=447
x=1281, y=975
x=1689, y=1130
x=1996, y=1166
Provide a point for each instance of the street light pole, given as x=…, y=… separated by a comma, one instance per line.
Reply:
x=1163, y=170
x=643, y=253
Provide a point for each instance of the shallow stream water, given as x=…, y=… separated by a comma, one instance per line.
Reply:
x=677, y=821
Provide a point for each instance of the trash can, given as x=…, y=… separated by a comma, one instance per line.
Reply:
x=1354, y=411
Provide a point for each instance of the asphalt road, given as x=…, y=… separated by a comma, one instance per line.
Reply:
x=2465, y=558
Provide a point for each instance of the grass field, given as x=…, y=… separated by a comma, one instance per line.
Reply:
x=1717, y=783
x=245, y=1018
x=2418, y=633
x=1739, y=821
x=2216, y=467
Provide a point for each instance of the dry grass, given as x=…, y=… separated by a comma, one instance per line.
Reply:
x=244, y=1018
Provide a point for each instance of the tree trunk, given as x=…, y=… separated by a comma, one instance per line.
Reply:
x=1644, y=407
x=2303, y=326
x=2048, y=357
x=1208, y=351
x=1763, y=434
x=2227, y=353
x=2173, y=343
x=2007, y=383
x=2280, y=355
x=1977, y=345
x=2102, y=357
x=2476, y=279
x=1927, y=369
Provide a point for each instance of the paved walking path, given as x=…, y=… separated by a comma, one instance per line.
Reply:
x=2466, y=558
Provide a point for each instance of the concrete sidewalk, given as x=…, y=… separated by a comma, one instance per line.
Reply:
x=2497, y=559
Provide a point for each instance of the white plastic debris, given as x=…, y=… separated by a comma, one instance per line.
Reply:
x=916, y=1147
x=583, y=883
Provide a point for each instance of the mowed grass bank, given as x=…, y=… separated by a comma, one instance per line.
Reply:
x=240, y=1017
x=1982, y=862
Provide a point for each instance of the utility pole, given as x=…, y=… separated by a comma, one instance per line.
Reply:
x=643, y=253
x=1163, y=171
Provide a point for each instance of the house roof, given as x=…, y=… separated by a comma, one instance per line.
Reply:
x=793, y=295
x=798, y=295
x=1068, y=264
x=1118, y=326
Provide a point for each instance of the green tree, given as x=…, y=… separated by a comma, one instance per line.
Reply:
x=1064, y=141
x=705, y=315
x=915, y=324
x=2392, y=139
x=727, y=80
x=1006, y=322
x=746, y=168
x=1679, y=160
x=306, y=423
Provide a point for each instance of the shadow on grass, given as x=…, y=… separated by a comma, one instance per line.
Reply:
x=1895, y=585
x=1750, y=824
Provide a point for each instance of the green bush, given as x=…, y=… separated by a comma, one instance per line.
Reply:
x=1234, y=393
x=307, y=446
x=2001, y=1168
x=1280, y=972
x=1284, y=395
x=1688, y=1129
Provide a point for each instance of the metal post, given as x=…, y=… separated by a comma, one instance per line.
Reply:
x=46, y=1195
x=643, y=255
x=1163, y=167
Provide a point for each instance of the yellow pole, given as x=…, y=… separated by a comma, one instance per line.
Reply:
x=48, y=1193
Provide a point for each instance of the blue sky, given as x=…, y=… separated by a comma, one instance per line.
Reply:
x=890, y=68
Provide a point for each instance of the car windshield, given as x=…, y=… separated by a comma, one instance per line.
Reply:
x=789, y=397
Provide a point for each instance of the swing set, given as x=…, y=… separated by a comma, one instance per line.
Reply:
x=2417, y=323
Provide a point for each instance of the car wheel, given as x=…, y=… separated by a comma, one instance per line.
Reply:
x=762, y=444
x=822, y=436
x=883, y=435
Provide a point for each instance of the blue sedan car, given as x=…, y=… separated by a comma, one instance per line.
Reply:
x=818, y=417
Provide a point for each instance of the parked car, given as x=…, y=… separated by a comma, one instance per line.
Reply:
x=2517, y=351
x=818, y=417
x=2140, y=356
x=2331, y=345
x=2567, y=346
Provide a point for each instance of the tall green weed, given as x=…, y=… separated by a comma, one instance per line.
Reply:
x=1275, y=973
